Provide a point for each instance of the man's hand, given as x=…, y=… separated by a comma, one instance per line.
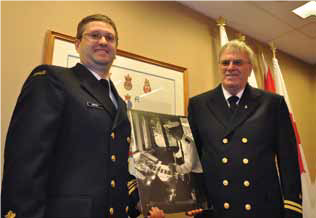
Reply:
x=155, y=212
x=194, y=212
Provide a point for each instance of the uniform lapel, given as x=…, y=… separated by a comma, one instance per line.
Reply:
x=91, y=85
x=218, y=106
x=121, y=114
x=248, y=104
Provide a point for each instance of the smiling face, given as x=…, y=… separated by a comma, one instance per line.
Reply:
x=97, y=46
x=235, y=68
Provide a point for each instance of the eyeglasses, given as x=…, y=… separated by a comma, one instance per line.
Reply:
x=96, y=36
x=237, y=62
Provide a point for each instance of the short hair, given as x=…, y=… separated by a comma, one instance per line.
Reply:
x=95, y=17
x=240, y=46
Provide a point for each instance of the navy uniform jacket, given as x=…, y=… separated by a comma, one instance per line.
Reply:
x=66, y=152
x=238, y=154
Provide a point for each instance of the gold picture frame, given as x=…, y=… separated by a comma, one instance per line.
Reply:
x=145, y=84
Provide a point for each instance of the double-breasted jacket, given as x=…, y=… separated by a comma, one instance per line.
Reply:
x=249, y=158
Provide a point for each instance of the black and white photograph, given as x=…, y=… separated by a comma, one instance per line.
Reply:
x=165, y=162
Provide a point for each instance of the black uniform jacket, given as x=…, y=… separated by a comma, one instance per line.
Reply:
x=66, y=151
x=238, y=153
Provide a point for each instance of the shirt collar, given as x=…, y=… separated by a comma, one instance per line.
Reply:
x=227, y=94
x=95, y=74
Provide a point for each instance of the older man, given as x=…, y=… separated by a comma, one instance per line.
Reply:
x=246, y=144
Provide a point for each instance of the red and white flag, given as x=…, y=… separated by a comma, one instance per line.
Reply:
x=268, y=79
x=223, y=40
x=305, y=176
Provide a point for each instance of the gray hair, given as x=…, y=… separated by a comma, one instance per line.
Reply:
x=239, y=46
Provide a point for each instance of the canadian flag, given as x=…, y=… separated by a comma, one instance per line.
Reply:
x=268, y=79
x=280, y=88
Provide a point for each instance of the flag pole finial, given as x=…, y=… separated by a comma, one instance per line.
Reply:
x=221, y=21
x=241, y=37
x=273, y=48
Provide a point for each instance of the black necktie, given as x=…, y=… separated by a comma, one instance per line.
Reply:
x=232, y=103
x=106, y=84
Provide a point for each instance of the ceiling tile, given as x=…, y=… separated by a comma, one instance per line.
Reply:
x=301, y=47
x=266, y=21
x=309, y=30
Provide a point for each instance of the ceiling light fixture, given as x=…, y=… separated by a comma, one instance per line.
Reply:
x=306, y=10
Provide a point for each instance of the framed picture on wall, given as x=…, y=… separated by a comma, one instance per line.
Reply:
x=145, y=84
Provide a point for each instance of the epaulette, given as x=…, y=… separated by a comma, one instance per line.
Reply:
x=291, y=205
x=39, y=73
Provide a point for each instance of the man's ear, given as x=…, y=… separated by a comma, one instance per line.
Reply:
x=77, y=44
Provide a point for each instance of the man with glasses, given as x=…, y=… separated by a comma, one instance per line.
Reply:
x=66, y=152
x=246, y=144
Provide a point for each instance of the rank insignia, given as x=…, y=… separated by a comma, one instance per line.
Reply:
x=39, y=73
x=128, y=82
x=147, y=87
x=10, y=214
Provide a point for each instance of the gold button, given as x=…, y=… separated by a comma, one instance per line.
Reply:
x=113, y=184
x=126, y=209
x=10, y=214
x=247, y=206
x=225, y=140
x=111, y=210
x=246, y=183
x=113, y=158
x=225, y=182
x=113, y=135
x=226, y=205
x=245, y=161
x=128, y=140
x=224, y=160
x=244, y=140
